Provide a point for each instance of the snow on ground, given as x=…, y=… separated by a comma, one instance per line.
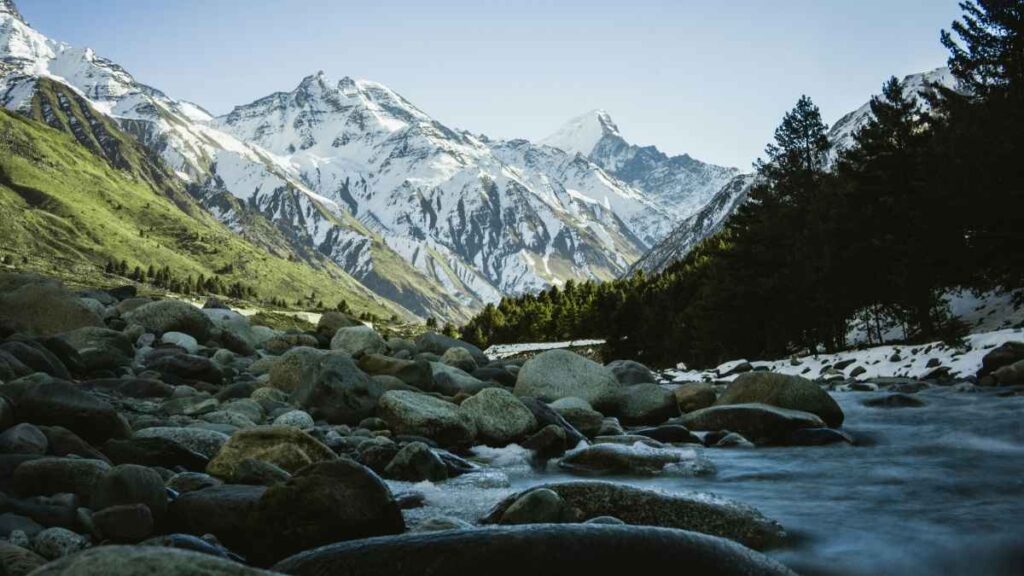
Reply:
x=910, y=361
x=505, y=350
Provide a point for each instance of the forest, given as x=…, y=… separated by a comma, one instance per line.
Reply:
x=929, y=198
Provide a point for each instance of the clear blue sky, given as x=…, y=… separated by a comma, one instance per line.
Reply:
x=711, y=78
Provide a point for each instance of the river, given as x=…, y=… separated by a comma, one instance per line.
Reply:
x=937, y=489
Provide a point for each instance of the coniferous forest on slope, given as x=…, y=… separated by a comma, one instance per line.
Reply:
x=929, y=198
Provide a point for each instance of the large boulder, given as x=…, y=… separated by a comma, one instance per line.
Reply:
x=415, y=373
x=630, y=372
x=1010, y=375
x=703, y=513
x=39, y=306
x=338, y=391
x=171, y=316
x=358, y=340
x=636, y=459
x=558, y=374
x=645, y=404
x=323, y=503
x=60, y=403
x=416, y=462
x=580, y=414
x=294, y=367
x=47, y=476
x=783, y=391
x=284, y=446
x=131, y=484
x=500, y=418
x=224, y=511
x=760, y=423
x=235, y=324
x=331, y=322
x=1004, y=355
x=536, y=549
x=139, y=560
x=417, y=414
x=439, y=344
x=694, y=396
x=450, y=381
x=37, y=357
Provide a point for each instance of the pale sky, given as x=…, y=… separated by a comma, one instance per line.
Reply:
x=709, y=78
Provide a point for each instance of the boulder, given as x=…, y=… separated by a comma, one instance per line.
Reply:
x=131, y=484
x=547, y=416
x=56, y=402
x=645, y=404
x=154, y=451
x=459, y=358
x=332, y=321
x=500, y=418
x=23, y=439
x=47, y=476
x=239, y=328
x=761, y=423
x=36, y=357
x=124, y=522
x=549, y=442
x=703, y=513
x=451, y=381
x=635, y=459
x=171, y=316
x=630, y=373
x=415, y=414
x=18, y=561
x=414, y=373
x=205, y=442
x=1005, y=354
x=295, y=419
x=280, y=343
x=294, y=367
x=580, y=415
x=321, y=504
x=56, y=542
x=540, y=506
x=1010, y=375
x=284, y=446
x=783, y=391
x=357, y=340
x=416, y=462
x=138, y=560
x=338, y=392
x=549, y=549
x=39, y=306
x=557, y=374
x=224, y=511
x=694, y=396
x=439, y=344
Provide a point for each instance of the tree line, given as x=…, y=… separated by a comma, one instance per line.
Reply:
x=929, y=197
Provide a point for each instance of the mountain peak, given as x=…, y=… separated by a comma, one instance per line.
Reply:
x=8, y=7
x=582, y=133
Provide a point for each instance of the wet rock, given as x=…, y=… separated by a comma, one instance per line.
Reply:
x=557, y=374
x=323, y=503
x=114, y=560
x=500, y=418
x=695, y=396
x=440, y=523
x=124, y=523
x=558, y=549
x=546, y=416
x=224, y=511
x=540, y=506
x=549, y=442
x=283, y=446
x=1010, y=375
x=645, y=404
x=630, y=373
x=636, y=459
x=760, y=423
x=671, y=433
x=208, y=545
x=131, y=484
x=731, y=440
x=356, y=340
x=580, y=415
x=415, y=414
x=818, y=437
x=23, y=439
x=416, y=462
x=894, y=401
x=783, y=391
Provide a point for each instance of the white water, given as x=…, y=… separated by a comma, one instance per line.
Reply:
x=932, y=490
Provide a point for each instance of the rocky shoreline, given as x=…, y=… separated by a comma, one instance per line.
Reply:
x=141, y=436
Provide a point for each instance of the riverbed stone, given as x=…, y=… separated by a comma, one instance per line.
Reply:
x=224, y=511
x=499, y=416
x=39, y=306
x=580, y=415
x=56, y=402
x=171, y=316
x=459, y=358
x=17, y=559
x=338, y=391
x=540, y=506
x=761, y=423
x=694, y=396
x=154, y=451
x=357, y=340
x=124, y=522
x=635, y=459
x=557, y=374
x=57, y=542
x=47, y=476
x=283, y=446
x=294, y=367
x=631, y=373
x=131, y=484
x=645, y=404
x=783, y=391
x=1005, y=354
x=23, y=439
x=200, y=440
x=415, y=414
x=416, y=462
x=416, y=373
x=439, y=344
x=138, y=560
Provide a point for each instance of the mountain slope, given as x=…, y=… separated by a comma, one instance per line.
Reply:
x=67, y=211
x=680, y=185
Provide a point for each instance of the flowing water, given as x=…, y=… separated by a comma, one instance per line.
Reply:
x=931, y=490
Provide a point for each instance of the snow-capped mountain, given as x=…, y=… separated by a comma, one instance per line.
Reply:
x=680, y=185
x=439, y=220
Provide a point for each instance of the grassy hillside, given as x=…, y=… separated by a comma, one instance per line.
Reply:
x=73, y=199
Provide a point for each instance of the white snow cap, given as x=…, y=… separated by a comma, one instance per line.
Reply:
x=8, y=7
x=581, y=134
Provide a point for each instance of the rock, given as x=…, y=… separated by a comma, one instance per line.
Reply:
x=818, y=437
x=131, y=484
x=47, y=476
x=205, y=442
x=563, y=549
x=295, y=419
x=54, y=543
x=1005, y=354
x=500, y=418
x=154, y=452
x=783, y=391
x=55, y=402
x=694, y=396
x=63, y=442
x=283, y=446
x=139, y=560
x=414, y=373
x=23, y=439
x=495, y=374
x=280, y=343
x=858, y=371
x=171, y=316
x=237, y=333
x=416, y=414
x=11, y=523
x=439, y=344
x=630, y=373
x=549, y=442
x=440, y=523
x=259, y=473
x=672, y=433
x=36, y=357
x=191, y=481
x=181, y=340
x=38, y=306
x=580, y=415
x=703, y=513
x=894, y=401
x=459, y=358
x=224, y=511
x=734, y=440
x=17, y=560
x=416, y=462
x=124, y=523
x=338, y=392
x=547, y=415
x=734, y=367
x=1010, y=375
x=557, y=374
x=635, y=459
x=451, y=381
x=330, y=322
x=209, y=545
x=323, y=503
x=759, y=422
x=540, y=506
x=358, y=340
x=646, y=404
x=187, y=369
x=294, y=367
